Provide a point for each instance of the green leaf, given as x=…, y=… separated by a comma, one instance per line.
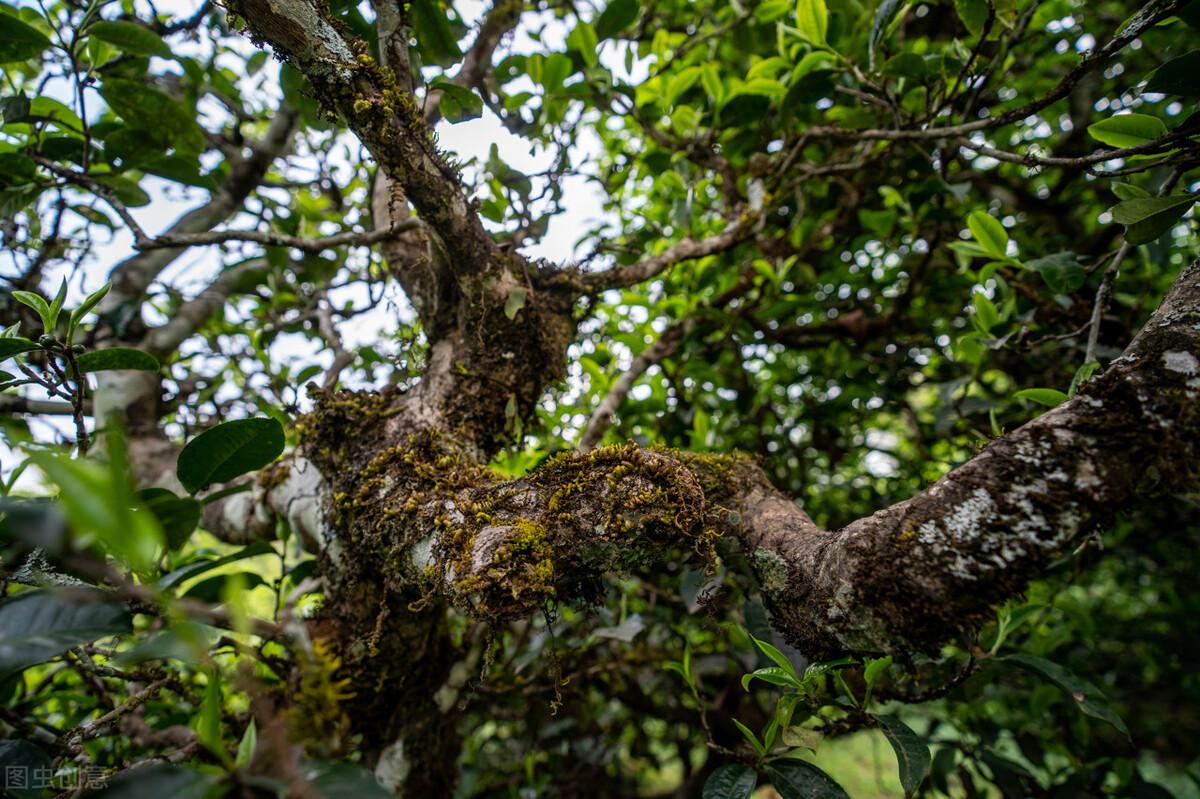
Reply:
x=458, y=103
x=177, y=516
x=773, y=675
x=778, y=657
x=435, y=37
x=208, y=722
x=1044, y=396
x=749, y=735
x=515, y=301
x=154, y=113
x=584, y=41
x=85, y=307
x=229, y=450
x=1127, y=130
x=342, y=781
x=974, y=14
x=1178, y=76
x=1128, y=191
x=616, y=17
x=1146, y=219
x=731, y=781
x=989, y=233
x=39, y=304
x=912, y=755
x=115, y=358
x=198, y=567
x=1060, y=271
x=883, y=18
x=986, y=315
x=25, y=759
x=18, y=41
x=249, y=742
x=131, y=38
x=57, y=303
x=797, y=779
x=213, y=589
x=874, y=668
x=36, y=626
x=1087, y=696
x=1081, y=376
x=157, y=779
x=812, y=20
x=15, y=346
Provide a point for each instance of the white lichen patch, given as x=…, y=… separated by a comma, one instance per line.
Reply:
x=1182, y=362
x=422, y=553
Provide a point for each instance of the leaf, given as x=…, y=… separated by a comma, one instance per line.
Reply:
x=37, y=303
x=85, y=307
x=883, y=17
x=435, y=37
x=154, y=113
x=15, y=346
x=131, y=37
x=1081, y=376
x=212, y=590
x=116, y=358
x=990, y=234
x=1146, y=219
x=208, y=722
x=986, y=314
x=229, y=450
x=1178, y=76
x=749, y=735
x=249, y=742
x=1043, y=396
x=177, y=516
x=24, y=759
x=974, y=14
x=198, y=567
x=912, y=755
x=18, y=41
x=797, y=779
x=342, y=781
x=775, y=655
x=626, y=631
x=812, y=20
x=616, y=17
x=773, y=675
x=157, y=779
x=1127, y=130
x=515, y=301
x=584, y=41
x=459, y=104
x=1128, y=191
x=1087, y=696
x=1061, y=272
x=731, y=781
x=36, y=626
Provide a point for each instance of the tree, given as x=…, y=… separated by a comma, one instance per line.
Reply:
x=780, y=426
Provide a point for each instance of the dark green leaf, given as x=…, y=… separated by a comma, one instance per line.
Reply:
x=435, y=38
x=212, y=589
x=731, y=781
x=15, y=346
x=157, y=779
x=616, y=17
x=18, y=41
x=1178, y=76
x=153, y=112
x=883, y=18
x=973, y=13
x=912, y=755
x=798, y=779
x=38, y=625
x=458, y=103
x=1145, y=219
x=1087, y=696
x=131, y=38
x=229, y=450
x=177, y=516
x=199, y=567
x=342, y=781
x=117, y=358
x=1060, y=271
x=19, y=760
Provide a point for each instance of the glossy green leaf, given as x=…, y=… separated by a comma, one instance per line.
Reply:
x=15, y=346
x=229, y=450
x=912, y=754
x=1127, y=130
x=1145, y=219
x=1180, y=76
x=20, y=42
x=1090, y=700
x=799, y=779
x=1043, y=396
x=36, y=626
x=731, y=781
